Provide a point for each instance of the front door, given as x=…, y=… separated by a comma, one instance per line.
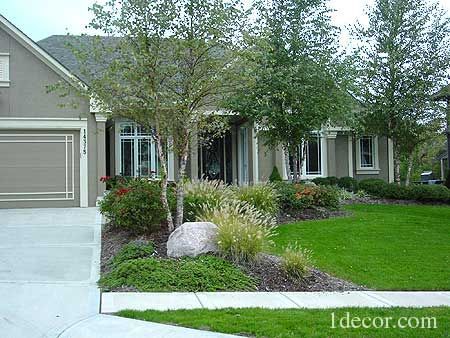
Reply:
x=215, y=162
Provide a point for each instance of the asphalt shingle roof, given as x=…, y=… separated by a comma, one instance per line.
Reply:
x=58, y=46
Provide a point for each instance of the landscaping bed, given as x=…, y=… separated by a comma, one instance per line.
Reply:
x=398, y=247
x=266, y=272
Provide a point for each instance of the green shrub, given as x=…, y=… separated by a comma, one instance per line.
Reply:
x=286, y=197
x=429, y=193
x=133, y=250
x=319, y=196
x=203, y=194
x=395, y=191
x=243, y=231
x=203, y=273
x=263, y=197
x=373, y=186
x=296, y=261
x=331, y=180
x=113, y=182
x=344, y=194
x=348, y=183
x=134, y=206
x=300, y=196
x=275, y=175
x=417, y=192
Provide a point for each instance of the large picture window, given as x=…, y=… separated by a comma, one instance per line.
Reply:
x=138, y=157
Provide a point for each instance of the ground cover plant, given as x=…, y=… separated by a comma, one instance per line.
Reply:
x=203, y=273
x=297, y=323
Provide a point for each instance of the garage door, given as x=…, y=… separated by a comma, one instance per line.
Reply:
x=39, y=169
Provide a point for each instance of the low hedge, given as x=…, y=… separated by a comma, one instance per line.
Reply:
x=417, y=192
x=330, y=180
x=372, y=186
x=347, y=183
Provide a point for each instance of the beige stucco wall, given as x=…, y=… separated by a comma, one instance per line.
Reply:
x=27, y=97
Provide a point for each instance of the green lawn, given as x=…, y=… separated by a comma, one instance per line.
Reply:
x=386, y=247
x=300, y=323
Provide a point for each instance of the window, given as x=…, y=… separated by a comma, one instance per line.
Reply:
x=4, y=70
x=313, y=157
x=312, y=164
x=138, y=157
x=366, y=146
x=367, y=155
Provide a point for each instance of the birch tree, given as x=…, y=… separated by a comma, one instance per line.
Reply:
x=293, y=78
x=166, y=65
x=404, y=55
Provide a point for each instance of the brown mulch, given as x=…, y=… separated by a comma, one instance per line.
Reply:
x=375, y=201
x=113, y=239
x=268, y=272
x=309, y=214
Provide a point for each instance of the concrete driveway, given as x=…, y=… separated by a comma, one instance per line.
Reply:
x=49, y=266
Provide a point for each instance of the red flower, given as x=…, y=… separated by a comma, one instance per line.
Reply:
x=104, y=179
x=122, y=191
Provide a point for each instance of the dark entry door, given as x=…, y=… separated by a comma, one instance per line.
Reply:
x=215, y=160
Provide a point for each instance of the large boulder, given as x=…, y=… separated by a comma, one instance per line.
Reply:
x=192, y=239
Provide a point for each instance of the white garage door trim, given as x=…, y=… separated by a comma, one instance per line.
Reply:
x=59, y=124
x=69, y=161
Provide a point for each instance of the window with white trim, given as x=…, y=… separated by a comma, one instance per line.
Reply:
x=138, y=156
x=313, y=158
x=4, y=70
x=312, y=164
x=367, y=152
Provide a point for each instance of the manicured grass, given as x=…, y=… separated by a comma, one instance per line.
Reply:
x=299, y=323
x=386, y=247
x=203, y=273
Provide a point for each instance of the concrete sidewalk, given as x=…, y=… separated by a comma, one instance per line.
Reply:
x=49, y=267
x=104, y=326
x=116, y=301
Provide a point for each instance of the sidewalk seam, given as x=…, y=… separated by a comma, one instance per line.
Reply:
x=200, y=302
x=292, y=301
x=378, y=298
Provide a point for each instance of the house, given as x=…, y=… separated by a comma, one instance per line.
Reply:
x=53, y=157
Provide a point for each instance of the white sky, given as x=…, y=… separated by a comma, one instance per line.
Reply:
x=41, y=18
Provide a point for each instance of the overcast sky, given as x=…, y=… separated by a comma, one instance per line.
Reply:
x=41, y=18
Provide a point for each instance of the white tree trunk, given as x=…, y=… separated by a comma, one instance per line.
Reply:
x=180, y=185
x=409, y=171
x=396, y=164
x=163, y=173
x=287, y=164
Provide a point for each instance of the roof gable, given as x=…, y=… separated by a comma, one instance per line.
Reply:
x=39, y=52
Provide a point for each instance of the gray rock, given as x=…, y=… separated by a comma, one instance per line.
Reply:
x=192, y=239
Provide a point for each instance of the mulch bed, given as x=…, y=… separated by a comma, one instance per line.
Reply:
x=309, y=214
x=375, y=201
x=267, y=270
x=114, y=239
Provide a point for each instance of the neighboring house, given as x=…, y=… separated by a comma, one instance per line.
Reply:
x=53, y=157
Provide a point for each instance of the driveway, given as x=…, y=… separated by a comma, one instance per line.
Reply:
x=49, y=266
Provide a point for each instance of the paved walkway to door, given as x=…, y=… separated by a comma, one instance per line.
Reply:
x=49, y=267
